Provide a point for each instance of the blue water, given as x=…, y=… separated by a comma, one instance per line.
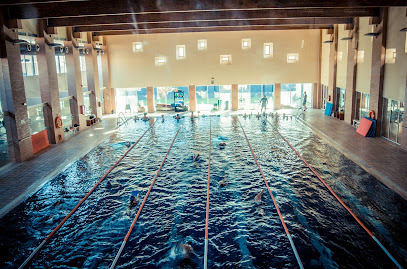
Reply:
x=240, y=235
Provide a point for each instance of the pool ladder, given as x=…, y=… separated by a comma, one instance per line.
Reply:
x=121, y=119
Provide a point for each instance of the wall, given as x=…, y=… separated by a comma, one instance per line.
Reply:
x=364, y=65
x=342, y=57
x=130, y=69
x=325, y=58
x=395, y=71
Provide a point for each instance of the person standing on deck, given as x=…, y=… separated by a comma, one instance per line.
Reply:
x=263, y=102
x=304, y=101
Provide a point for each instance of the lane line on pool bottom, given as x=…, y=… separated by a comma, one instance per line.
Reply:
x=81, y=201
x=275, y=203
x=207, y=198
x=142, y=204
x=340, y=200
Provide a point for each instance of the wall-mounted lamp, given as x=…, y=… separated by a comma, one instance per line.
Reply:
x=347, y=38
x=19, y=42
x=328, y=41
x=372, y=34
x=404, y=29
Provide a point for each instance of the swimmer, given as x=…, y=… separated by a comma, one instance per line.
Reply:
x=258, y=115
x=134, y=198
x=145, y=118
x=162, y=118
x=128, y=144
x=222, y=145
x=177, y=117
x=262, y=212
x=136, y=118
x=222, y=183
x=186, y=249
x=195, y=158
x=245, y=116
x=257, y=198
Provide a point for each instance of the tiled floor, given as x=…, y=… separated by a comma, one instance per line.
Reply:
x=381, y=158
x=18, y=180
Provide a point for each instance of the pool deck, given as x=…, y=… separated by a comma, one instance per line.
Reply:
x=19, y=180
x=381, y=158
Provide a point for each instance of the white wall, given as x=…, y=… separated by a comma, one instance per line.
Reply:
x=130, y=69
x=364, y=65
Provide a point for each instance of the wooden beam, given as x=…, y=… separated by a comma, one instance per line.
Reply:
x=106, y=7
x=211, y=29
x=213, y=15
x=30, y=2
x=218, y=23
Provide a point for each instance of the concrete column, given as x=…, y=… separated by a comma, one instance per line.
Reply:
x=150, y=99
x=351, y=68
x=107, y=100
x=316, y=95
x=74, y=78
x=332, y=68
x=113, y=97
x=13, y=98
x=49, y=89
x=377, y=71
x=192, y=98
x=93, y=79
x=403, y=138
x=277, y=96
x=235, y=97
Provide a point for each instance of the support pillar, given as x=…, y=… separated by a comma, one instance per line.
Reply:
x=93, y=80
x=235, y=97
x=49, y=89
x=74, y=78
x=351, y=69
x=107, y=93
x=192, y=98
x=13, y=97
x=316, y=89
x=332, y=68
x=150, y=100
x=377, y=71
x=277, y=96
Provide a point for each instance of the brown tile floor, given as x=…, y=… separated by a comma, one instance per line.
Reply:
x=18, y=180
x=381, y=158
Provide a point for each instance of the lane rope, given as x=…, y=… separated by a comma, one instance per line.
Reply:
x=275, y=203
x=340, y=200
x=83, y=200
x=207, y=199
x=142, y=205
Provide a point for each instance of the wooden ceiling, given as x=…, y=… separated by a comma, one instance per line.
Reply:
x=111, y=17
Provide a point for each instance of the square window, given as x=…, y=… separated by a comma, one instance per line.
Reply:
x=137, y=46
x=202, y=44
x=268, y=50
x=226, y=59
x=292, y=58
x=180, y=52
x=160, y=61
x=246, y=43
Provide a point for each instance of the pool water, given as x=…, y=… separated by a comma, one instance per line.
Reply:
x=242, y=232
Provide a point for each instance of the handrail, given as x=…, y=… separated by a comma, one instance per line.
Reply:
x=80, y=203
x=207, y=199
x=142, y=205
x=340, y=200
x=275, y=203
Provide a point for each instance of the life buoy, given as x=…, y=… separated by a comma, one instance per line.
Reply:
x=372, y=115
x=58, y=122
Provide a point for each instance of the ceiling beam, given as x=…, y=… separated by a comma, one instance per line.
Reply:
x=214, y=15
x=106, y=7
x=212, y=29
x=216, y=23
x=30, y=2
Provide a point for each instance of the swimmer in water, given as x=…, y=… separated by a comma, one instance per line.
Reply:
x=145, y=118
x=258, y=115
x=245, y=116
x=222, y=183
x=262, y=212
x=222, y=145
x=128, y=144
x=186, y=249
x=136, y=118
x=177, y=117
x=195, y=158
x=162, y=118
x=134, y=196
x=257, y=198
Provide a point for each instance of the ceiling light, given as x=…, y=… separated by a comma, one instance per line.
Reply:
x=372, y=34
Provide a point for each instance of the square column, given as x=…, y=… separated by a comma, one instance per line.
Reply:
x=150, y=100
x=192, y=98
x=74, y=78
x=277, y=95
x=377, y=71
x=333, y=50
x=49, y=89
x=93, y=80
x=351, y=68
x=107, y=93
x=235, y=97
x=13, y=98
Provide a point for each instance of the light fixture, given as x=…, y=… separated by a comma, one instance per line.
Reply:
x=328, y=41
x=347, y=38
x=404, y=29
x=372, y=34
x=19, y=41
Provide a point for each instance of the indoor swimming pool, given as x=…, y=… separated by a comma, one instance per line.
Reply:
x=243, y=233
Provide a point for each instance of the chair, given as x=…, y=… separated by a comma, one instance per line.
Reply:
x=127, y=108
